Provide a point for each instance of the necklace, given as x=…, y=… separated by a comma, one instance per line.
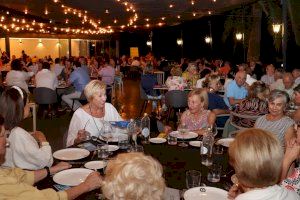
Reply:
x=93, y=118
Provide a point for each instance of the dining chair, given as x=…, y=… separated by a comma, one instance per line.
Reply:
x=160, y=77
x=82, y=99
x=176, y=100
x=45, y=98
x=146, y=100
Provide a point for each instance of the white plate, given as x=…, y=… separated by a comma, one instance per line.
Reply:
x=195, y=143
x=205, y=193
x=157, y=140
x=187, y=136
x=225, y=141
x=113, y=148
x=71, y=177
x=71, y=154
x=97, y=164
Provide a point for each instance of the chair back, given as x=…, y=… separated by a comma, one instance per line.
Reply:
x=143, y=94
x=241, y=117
x=176, y=99
x=43, y=95
x=160, y=77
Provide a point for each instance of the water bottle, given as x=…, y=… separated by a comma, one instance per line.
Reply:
x=207, y=147
x=145, y=123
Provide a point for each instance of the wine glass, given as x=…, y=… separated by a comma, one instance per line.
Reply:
x=106, y=131
x=137, y=130
x=182, y=129
x=134, y=128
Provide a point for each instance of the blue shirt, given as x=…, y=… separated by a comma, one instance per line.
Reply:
x=235, y=91
x=79, y=78
x=215, y=101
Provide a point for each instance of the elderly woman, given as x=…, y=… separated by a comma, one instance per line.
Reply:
x=276, y=122
x=133, y=176
x=27, y=150
x=255, y=104
x=191, y=75
x=197, y=116
x=18, y=184
x=18, y=77
x=175, y=81
x=90, y=116
x=256, y=155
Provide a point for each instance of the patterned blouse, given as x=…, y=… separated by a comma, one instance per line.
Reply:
x=253, y=107
x=176, y=83
x=293, y=181
x=195, y=124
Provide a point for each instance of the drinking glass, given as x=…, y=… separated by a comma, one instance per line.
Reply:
x=172, y=140
x=192, y=178
x=136, y=148
x=123, y=141
x=182, y=129
x=103, y=152
x=214, y=173
x=106, y=131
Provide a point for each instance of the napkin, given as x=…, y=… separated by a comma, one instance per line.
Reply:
x=171, y=194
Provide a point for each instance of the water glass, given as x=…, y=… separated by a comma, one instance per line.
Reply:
x=218, y=149
x=123, y=141
x=137, y=148
x=214, y=173
x=172, y=140
x=193, y=178
x=103, y=152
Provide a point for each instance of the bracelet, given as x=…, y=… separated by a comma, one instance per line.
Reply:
x=48, y=172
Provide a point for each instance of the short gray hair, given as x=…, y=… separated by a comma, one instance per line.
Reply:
x=279, y=94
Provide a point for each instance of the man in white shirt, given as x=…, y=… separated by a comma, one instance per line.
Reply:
x=46, y=78
x=58, y=68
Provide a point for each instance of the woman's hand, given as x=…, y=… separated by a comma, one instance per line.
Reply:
x=59, y=167
x=81, y=136
x=39, y=136
x=234, y=192
x=93, y=181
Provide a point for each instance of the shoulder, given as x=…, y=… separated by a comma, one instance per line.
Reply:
x=109, y=106
x=288, y=121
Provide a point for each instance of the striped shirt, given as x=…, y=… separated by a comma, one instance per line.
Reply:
x=278, y=127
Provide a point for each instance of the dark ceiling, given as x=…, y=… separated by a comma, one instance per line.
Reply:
x=117, y=13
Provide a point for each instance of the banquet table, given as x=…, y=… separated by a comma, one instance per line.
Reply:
x=175, y=161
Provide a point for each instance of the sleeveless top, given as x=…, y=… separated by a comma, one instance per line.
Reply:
x=195, y=124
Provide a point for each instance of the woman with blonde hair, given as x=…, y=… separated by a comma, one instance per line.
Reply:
x=197, y=116
x=256, y=156
x=133, y=176
x=89, y=118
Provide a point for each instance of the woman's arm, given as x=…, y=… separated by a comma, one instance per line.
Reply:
x=211, y=119
x=291, y=154
x=289, y=134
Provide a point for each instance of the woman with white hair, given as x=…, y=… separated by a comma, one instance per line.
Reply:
x=275, y=121
x=133, y=176
x=90, y=117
